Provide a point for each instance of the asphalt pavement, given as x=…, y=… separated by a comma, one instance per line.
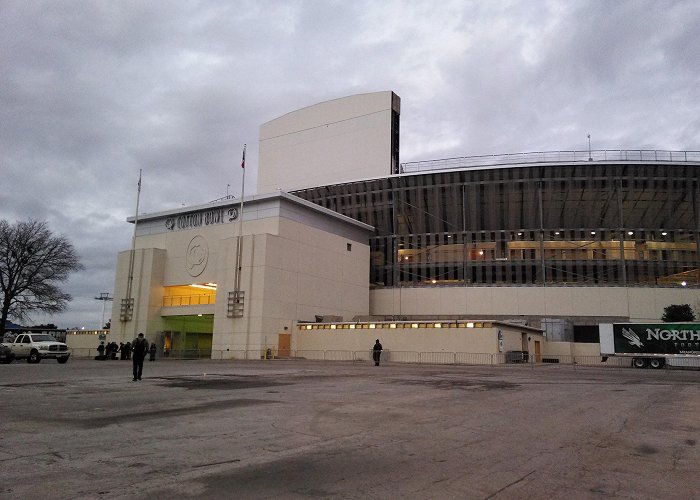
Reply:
x=304, y=429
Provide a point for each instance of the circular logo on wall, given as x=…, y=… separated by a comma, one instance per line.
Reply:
x=197, y=255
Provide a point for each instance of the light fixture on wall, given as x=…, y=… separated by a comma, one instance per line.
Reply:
x=206, y=286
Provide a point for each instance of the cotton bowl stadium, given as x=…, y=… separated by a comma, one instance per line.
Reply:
x=343, y=243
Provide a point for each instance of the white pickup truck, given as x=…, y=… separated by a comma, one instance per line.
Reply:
x=37, y=346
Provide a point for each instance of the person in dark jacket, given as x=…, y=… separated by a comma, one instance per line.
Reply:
x=376, y=352
x=139, y=348
x=152, y=352
x=127, y=350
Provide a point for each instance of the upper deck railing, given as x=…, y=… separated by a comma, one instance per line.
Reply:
x=601, y=155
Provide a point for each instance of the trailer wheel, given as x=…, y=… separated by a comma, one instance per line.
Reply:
x=656, y=363
x=639, y=363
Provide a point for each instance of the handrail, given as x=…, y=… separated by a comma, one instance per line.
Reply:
x=598, y=155
x=456, y=358
x=188, y=300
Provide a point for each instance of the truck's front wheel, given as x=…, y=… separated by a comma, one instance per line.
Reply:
x=639, y=363
x=34, y=357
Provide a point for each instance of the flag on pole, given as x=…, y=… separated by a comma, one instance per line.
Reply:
x=243, y=161
x=139, y=180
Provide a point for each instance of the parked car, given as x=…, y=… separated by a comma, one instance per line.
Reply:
x=37, y=346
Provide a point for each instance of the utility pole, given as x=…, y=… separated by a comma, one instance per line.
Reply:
x=104, y=297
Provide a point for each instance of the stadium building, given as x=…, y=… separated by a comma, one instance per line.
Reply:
x=552, y=242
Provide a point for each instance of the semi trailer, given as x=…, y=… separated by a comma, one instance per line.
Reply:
x=652, y=345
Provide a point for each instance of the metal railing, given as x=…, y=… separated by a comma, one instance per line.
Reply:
x=603, y=155
x=188, y=300
x=404, y=357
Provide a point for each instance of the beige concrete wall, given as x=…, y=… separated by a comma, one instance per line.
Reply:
x=296, y=275
x=571, y=349
x=87, y=339
x=639, y=304
x=147, y=292
x=177, y=271
x=327, y=143
x=469, y=340
x=482, y=340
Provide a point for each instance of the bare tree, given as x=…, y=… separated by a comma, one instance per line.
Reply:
x=33, y=261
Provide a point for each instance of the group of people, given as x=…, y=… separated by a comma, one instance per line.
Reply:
x=109, y=351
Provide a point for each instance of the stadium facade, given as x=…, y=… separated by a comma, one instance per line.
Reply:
x=558, y=241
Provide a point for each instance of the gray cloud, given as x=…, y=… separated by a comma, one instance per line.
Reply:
x=91, y=92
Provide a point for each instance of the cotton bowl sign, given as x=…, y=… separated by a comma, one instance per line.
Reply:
x=199, y=219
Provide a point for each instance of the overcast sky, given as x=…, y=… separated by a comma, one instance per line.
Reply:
x=91, y=92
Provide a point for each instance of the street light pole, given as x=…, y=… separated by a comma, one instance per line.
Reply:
x=104, y=297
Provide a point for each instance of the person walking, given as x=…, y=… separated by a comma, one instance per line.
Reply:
x=152, y=352
x=376, y=352
x=139, y=348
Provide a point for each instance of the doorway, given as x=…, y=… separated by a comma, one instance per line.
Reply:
x=188, y=337
x=284, y=343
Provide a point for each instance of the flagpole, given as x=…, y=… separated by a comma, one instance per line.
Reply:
x=129, y=284
x=239, y=245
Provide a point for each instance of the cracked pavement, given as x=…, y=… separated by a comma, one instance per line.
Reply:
x=300, y=429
